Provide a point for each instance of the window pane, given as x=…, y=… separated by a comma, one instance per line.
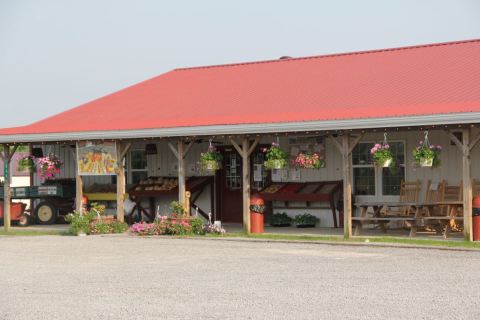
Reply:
x=138, y=176
x=392, y=177
x=391, y=180
x=139, y=161
x=398, y=151
x=361, y=154
x=364, y=181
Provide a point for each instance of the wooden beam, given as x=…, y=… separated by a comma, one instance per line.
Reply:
x=467, y=186
x=121, y=153
x=457, y=142
x=187, y=149
x=7, y=158
x=474, y=142
x=253, y=146
x=78, y=182
x=174, y=150
x=246, y=185
x=237, y=147
x=347, y=187
x=354, y=143
x=337, y=144
x=78, y=193
x=181, y=173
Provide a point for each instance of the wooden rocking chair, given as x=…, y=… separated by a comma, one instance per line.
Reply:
x=409, y=192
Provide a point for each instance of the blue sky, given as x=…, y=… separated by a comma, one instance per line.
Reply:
x=55, y=55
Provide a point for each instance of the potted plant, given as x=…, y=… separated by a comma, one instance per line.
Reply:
x=281, y=220
x=305, y=220
x=309, y=160
x=212, y=159
x=27, y=164
x=382, y=155
x=276, y=157
x=427, y=155
x=49, y=166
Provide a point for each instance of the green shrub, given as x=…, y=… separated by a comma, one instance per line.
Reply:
x=280, y=219
x=197, y=226
x=79, y=223
x=305, y=219
x=119, y=227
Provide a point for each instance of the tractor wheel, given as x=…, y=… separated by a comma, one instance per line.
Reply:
x=46, y=213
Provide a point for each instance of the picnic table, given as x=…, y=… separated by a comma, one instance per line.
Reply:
x=416, y=214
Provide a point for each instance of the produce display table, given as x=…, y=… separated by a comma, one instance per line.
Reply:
x=158, y=187
x=308, y=192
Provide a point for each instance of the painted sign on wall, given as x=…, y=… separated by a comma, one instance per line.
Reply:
x=96, y=158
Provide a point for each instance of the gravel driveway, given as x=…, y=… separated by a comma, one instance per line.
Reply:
x=121, y=277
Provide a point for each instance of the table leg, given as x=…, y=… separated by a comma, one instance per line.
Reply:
x=377, y=210
x=418, y=216
x=358, y=225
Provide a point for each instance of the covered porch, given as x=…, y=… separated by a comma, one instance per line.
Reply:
x=139, y=148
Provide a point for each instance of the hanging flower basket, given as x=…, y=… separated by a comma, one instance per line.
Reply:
x=426, y=154
x=210, y=165
x=27, y=164
x=211, y=160
x=48, y=167
x=381, y=153
x=309, y=160
x=276, y=158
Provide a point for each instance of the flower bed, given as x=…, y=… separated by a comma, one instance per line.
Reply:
x=94, y=222
x=175, y=226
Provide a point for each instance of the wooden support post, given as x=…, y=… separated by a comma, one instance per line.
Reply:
x=347, y=187
x=78, y=182
x=121, y=153
x=7, y=158
x=467, y=187
x=78, y=193
x=245, y=151
x=346, y=148
x=181, y=174
x=465, y=146
x=246, y=185
x=180, y=153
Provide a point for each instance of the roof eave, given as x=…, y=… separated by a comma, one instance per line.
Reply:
x=259, y=128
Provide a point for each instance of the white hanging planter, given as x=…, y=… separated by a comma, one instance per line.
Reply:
x=387, y=163
x=426, y=162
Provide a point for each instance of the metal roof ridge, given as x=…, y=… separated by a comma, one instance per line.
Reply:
x=331, y=55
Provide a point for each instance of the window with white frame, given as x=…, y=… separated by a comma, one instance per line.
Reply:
x=137, y=166
x=368, y=180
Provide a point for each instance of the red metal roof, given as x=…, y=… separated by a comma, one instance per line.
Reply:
x=421, y=80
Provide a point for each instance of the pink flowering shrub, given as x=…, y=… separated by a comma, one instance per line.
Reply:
x=381, y=153
x=48, y=167
x=309, y=160
x=169, y=226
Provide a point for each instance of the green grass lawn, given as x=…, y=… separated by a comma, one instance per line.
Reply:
x=340, y=239
x=32, y=233
x=290, y=237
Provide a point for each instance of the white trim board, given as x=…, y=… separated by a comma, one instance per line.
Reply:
x=329, y=125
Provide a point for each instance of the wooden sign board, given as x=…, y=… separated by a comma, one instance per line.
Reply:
x=96, y=158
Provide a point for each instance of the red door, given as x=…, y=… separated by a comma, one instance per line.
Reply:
x=229, y=180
